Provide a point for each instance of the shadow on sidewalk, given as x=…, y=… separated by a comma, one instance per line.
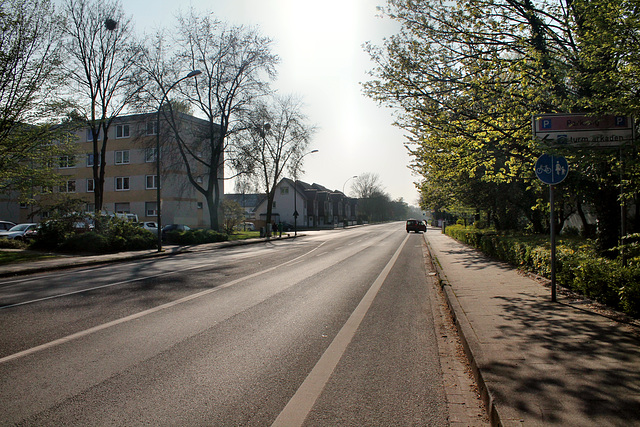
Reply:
x=570, y=362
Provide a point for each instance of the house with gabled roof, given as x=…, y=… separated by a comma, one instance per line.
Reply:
x=316, y=206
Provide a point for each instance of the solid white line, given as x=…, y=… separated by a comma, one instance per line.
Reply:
x=135, y=316
x=298, y=408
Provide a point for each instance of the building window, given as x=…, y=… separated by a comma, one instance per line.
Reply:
x=90, y=158
x=151, y=208
x=150, y=155
x=122, y=208
x=122, y=183
x=284, y=191
x=122, y=131
x=152, y=182
x=90, y=208
x=66, y=162
x=90, y=135
x=152, y=128
x=68, y=187
x=91, y=185
x=122, y=157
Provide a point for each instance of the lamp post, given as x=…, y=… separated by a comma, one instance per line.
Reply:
x=343, y=185
x=295, y=193
x=158, y=210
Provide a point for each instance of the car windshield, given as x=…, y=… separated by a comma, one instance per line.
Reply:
x=20, y=227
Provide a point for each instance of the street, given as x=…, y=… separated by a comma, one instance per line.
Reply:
x=335, y=328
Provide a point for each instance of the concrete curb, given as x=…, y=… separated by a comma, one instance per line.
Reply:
x=470, y=344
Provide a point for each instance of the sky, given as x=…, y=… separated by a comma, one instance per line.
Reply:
x=322, y=62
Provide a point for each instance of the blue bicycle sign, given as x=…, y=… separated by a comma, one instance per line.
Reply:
x=551, y=170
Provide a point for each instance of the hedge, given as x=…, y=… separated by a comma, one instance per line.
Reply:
x=578, y=266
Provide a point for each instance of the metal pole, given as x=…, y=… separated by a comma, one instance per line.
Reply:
x=158, y=208
x=553, y=242
x=295, y=206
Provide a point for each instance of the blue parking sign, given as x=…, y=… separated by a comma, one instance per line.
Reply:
x=551, y=170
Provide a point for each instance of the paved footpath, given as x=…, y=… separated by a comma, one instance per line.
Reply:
x=538, y=362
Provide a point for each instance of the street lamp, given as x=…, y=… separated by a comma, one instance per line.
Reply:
x=158, y=210
x=295, y=193
x=345, y=183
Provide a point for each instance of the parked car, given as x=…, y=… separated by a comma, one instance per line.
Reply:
x=5, y=225
x=246, y=226
x=415, y=225
x=148, y=225
x=173, y=227
x=24, y=231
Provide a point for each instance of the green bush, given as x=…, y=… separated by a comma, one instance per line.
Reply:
x=79, y=243
x=578, y=266
x=12, y=244
x=194, y=237
x=111, y=235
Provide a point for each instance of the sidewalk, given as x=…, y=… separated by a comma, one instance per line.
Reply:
x=537, y=362
x=72, y=261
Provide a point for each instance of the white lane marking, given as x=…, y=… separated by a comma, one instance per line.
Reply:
x=138, y=315
x=108, y=285
x=298, y=408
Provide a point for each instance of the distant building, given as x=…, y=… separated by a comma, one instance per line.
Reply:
x=317, y=206
x=130, y=175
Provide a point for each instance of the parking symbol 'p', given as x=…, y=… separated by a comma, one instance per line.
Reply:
x=621, y=121
x=545, y=123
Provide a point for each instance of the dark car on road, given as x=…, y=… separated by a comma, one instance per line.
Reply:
x=416, y=225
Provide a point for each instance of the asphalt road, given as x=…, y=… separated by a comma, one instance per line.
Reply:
x=335, y=328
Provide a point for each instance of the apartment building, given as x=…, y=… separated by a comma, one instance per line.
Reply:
x=130, y=179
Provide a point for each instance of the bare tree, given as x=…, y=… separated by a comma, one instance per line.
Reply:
x=236, y=64
x=30, y=60
x=275, y=138
x=367, y=185
x=103, y=52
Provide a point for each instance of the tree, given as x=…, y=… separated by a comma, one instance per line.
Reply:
x=233, y=215
x=374, y=204
x=367, y=185
x=236, y=64
x=275, y=138
x=100, y=42
x=30, y=58
x=468, y=76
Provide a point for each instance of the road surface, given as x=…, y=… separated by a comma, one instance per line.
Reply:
x=335, y=328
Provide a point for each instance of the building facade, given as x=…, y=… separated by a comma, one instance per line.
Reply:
x=317, y=206
x=130, y=185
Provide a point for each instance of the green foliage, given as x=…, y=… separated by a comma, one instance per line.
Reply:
x=578, y=266
x=113, y=235
x=195, y=237
x=233, y=214
x=12, y=244
x=467, y=76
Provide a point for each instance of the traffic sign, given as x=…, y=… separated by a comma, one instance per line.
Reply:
x=583, y=131
x=551, y=170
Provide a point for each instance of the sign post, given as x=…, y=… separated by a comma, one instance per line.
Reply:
x=580, y=130
x=552, y=170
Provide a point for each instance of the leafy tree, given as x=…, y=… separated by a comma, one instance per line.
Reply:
x=103, y=53
x=30, y=58
x=468, y=76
